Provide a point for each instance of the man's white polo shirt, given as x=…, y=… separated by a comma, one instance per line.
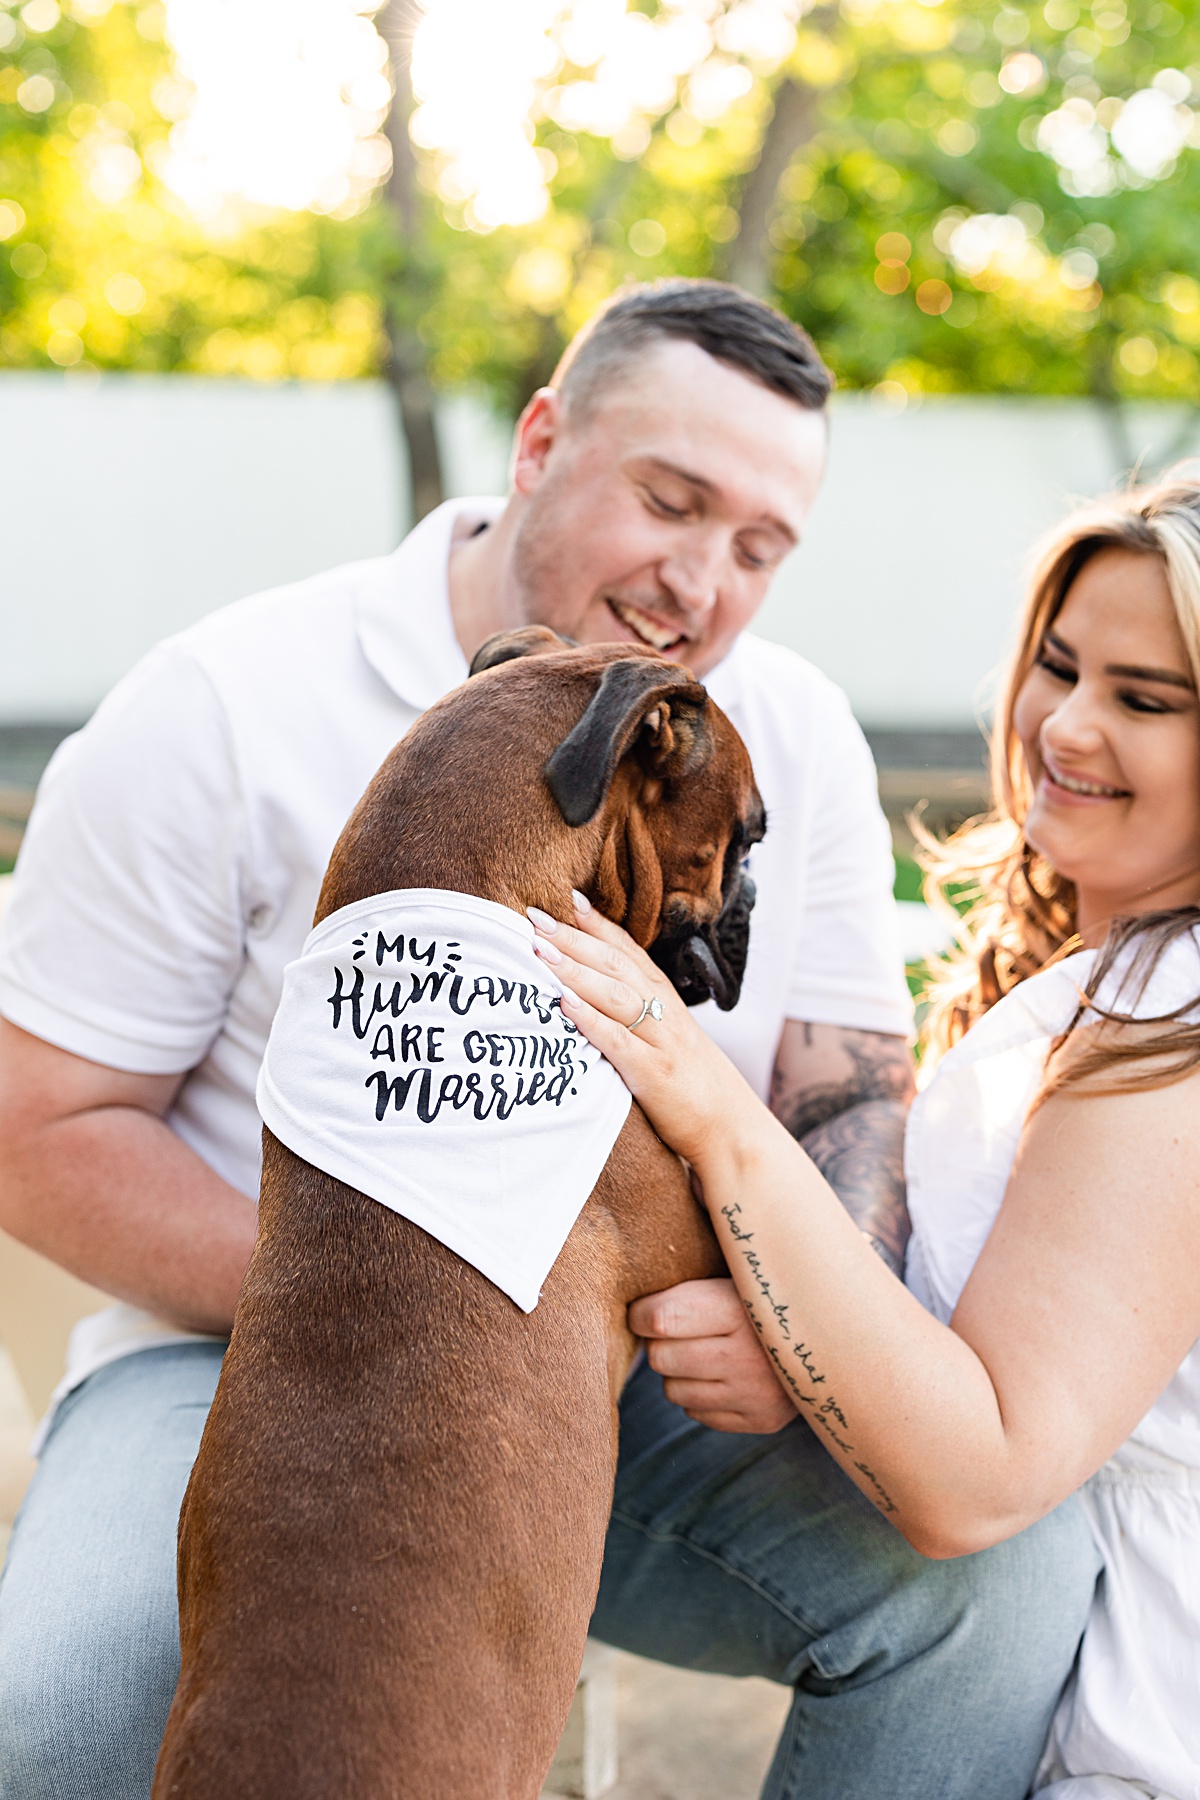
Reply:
x=174, y=856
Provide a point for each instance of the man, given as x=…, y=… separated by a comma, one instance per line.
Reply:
x=170, y=872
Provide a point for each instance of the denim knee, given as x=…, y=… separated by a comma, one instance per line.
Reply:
x=1015, y=1613
x=1031, y=1595
x=89, y=1635
x=82, y=1710
x=945, y=1687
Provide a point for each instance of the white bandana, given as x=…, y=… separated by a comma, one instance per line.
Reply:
x=419, y=1055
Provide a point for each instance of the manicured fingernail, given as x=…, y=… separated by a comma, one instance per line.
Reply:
x=550, y=952
x=582, y=903
x=542, y=920
x=569, y=998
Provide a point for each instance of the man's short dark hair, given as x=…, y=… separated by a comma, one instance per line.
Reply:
x=728, y=323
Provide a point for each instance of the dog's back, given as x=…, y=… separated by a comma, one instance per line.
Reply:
x=391, y=1541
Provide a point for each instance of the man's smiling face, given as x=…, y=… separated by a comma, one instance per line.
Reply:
x=657, y=511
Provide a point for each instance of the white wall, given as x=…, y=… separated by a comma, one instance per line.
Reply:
x=906, y=587
x=132, y=505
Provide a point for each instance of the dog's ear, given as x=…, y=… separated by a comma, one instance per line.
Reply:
x=677, y=737
x=506, y=646
x=654, y=704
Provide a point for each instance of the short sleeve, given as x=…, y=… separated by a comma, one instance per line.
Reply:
x=849, y=967
x=123, y=937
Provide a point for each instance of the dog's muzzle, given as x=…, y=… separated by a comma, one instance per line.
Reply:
x=708, y=964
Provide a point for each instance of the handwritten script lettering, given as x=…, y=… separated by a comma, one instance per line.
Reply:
x=823, y=1411
x=420, y=1063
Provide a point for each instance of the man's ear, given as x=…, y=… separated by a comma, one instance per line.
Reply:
x=507, y=646
x=538, y=429
x=638, y=696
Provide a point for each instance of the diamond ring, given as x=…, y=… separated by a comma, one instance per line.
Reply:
x=651, y=1009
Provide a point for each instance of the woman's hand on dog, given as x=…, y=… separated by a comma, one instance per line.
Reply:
x=697, y=1334
x=688, y=1089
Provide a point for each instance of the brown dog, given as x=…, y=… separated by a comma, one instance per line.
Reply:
x=390, y=1546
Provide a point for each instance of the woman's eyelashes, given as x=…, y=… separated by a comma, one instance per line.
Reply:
x=1061, y=671
x=1130, y=698
x=1144, y=703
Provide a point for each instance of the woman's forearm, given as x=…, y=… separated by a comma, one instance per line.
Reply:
x=906, y=1407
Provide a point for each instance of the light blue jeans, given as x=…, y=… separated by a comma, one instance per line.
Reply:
x=914, y=1680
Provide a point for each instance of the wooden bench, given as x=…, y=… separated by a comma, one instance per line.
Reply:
x=15, y=806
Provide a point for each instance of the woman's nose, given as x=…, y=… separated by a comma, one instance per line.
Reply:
x=1075, y=724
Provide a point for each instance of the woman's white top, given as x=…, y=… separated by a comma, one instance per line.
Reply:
x=1132, y=1707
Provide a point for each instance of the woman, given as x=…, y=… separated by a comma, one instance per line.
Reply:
x=1047, y=1334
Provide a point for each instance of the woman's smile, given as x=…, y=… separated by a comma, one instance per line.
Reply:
x=1110, y=727
x=1076, y=789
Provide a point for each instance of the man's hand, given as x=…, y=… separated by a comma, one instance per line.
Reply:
x=699, y=1339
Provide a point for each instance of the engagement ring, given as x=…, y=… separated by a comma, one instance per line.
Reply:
x=651, y=1009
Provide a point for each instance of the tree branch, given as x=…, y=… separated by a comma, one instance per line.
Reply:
x=411, y=289
x=791, y=124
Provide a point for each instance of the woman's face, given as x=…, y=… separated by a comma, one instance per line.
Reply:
x=1110, y=725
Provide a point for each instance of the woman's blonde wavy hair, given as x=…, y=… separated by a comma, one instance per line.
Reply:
x=1021, y=912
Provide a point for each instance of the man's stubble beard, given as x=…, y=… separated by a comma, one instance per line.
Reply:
x=538, y=561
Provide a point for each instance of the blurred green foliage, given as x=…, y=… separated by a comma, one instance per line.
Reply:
x=912, y=138
x=102, y=265
x=908, y=883
x=915, y=221
x=1097, y=292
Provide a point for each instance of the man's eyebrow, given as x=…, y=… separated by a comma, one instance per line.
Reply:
x=1131, y=671
x=689, y=475
x=710, y=487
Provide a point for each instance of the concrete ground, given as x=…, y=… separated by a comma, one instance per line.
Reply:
x=693, y=1737
x=681, y=1736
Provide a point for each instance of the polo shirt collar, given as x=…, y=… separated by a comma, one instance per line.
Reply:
x=725, y=683
x=402, y=608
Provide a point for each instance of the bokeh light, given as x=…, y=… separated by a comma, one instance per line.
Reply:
x=293, y=117
x=485, y=72
x=1147, y=131
x=280, y=102
x=172, y=155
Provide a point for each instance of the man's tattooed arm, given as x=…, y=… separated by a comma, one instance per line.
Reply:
x=843, y=1094
x=861, y=1155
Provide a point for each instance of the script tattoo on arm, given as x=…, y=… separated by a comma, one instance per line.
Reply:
x=843, y=1095
x=793, y=1359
